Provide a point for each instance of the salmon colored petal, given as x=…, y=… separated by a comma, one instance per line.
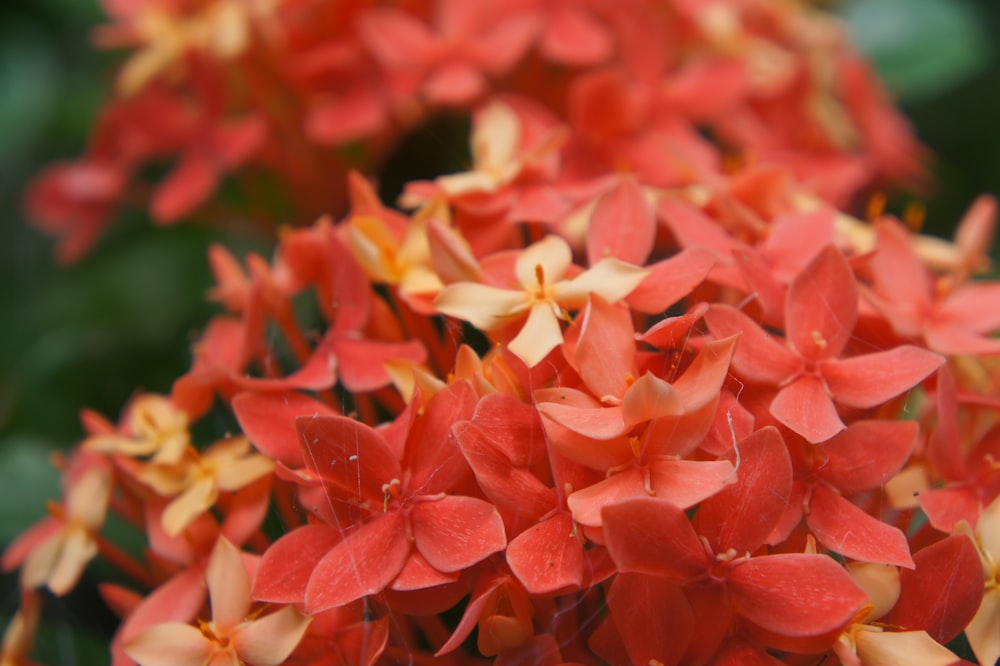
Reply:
x=481, y=305
x=364, y=563
x=639, y=604
x=742, y=514
x=547, y=556
x=169, y=644
x=511, y=487
x=900, y=274
x=455, y=532
x=973, y=306
x=942, y=594
x=418, y=574
x=540, y=334
x=821, y=306
x=671, y=280
x=285, y=567
x=431, y=454
x=845, y=529
x=654, y=537
x=622, y=225
x=228, y=585
x=189, y=184
x=759, y=357
x=574, y=37
x=602, y=423
x=348, y=454
x=946, y=338
x=395, y=38
x=361, y=362
x=605, y=351
x=587, y=503
x=650, y=398
x=795, y=595
x=873, y=379
x=867, y=454
x=685, y=483
x=806, y=407
x=914, y=648
x=268, y=641
x=268, y=420
x=702, y=381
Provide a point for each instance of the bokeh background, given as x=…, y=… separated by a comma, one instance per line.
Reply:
x=122, y=319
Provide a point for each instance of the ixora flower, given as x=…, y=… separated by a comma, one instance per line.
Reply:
x=235, y=635
x=541, y=298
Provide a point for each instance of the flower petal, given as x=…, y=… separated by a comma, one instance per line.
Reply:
x=873, y=379
x=168, y=644
x=228, y=585
x=805, y=407
x=795, y=595
x=821, y=306
x=845, y=529
x=652, y=536
x=456, y=532
x=268, y=641
x=540, y=334
x=364, y=563
x=547, y=556
x=741, y=515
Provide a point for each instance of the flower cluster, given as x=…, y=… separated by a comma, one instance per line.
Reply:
x=632, y=388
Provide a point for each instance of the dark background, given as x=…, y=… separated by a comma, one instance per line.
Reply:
x=122, y=319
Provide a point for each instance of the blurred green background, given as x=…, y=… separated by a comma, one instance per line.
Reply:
x=122, y=319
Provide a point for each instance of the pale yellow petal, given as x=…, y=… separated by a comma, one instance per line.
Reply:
x=420, y=280
x=167, y=480
x=269, y=640
x=78, y=548
x=481, y=305
x=893, y=648
x=904, y=488
x=235, y=474
x=41, y=561
x=228, y=586
x=187, y=506
x=984, y=630
x=120, y=444
x=988, y=529
x=496, y=138
x=87, y=499
x=880, y=582
x=19, y=637
x=374, y=247
x=469, y=181
x=169, y=644
x=552, y=255
x=610, y=278
x=540, y=335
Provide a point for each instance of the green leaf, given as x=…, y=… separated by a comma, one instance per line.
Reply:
x=27, y=480
x=921, y=47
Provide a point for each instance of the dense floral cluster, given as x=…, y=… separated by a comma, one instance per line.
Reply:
x=630, y=389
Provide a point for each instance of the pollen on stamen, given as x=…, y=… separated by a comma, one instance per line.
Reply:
x=914, y=215
x=819, y=340
x=876, y=206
